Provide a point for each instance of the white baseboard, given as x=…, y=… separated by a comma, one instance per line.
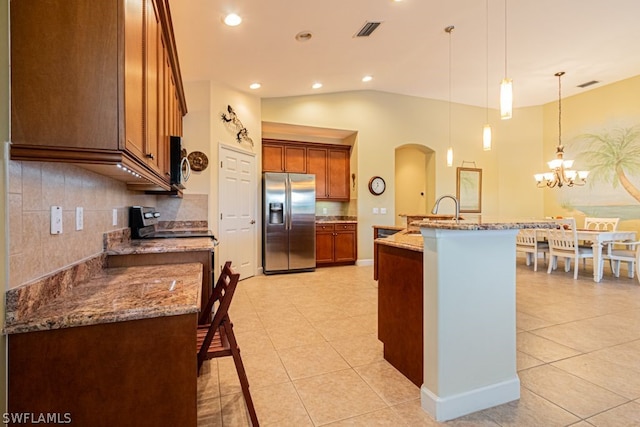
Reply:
x=363, y=262
x=450, y=407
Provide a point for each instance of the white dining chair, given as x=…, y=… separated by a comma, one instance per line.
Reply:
x=563, y=243
x=527, y=242
x=604, y=224
x=619, y=252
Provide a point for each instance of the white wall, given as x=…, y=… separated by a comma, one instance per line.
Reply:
x=204, y=131
x=385, y=121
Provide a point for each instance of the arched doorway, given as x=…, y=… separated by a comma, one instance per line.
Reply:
x=415, y=174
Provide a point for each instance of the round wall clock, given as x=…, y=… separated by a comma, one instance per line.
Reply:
x=377, y=185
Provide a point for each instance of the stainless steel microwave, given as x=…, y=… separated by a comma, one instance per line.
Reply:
x=180, y=169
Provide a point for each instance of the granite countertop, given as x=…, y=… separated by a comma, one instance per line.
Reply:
x=336, y=219
x=390, y=227
x=112, y=295
x=145, y=246
x=412, y=239
x=480, y=223
x=406, y=239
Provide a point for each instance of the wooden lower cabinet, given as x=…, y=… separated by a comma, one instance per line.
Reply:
x=132, y=373
x=336, y=244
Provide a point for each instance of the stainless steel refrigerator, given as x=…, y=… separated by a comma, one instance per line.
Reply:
x=289, y=222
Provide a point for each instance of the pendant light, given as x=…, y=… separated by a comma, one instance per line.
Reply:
x=449, y=30
x=506, y=85
x=486, y=130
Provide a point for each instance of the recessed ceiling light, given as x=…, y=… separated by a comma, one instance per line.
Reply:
x=304, y=36
x=255, y=86
x=232, y=20
x=316, y=85
x=367, y=78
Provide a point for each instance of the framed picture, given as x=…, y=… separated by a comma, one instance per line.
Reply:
x=469, y=189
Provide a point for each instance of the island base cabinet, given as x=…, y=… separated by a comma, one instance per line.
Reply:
x=400, y=309
x=132, y=373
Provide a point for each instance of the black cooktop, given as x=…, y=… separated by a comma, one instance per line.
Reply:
x=143, y=221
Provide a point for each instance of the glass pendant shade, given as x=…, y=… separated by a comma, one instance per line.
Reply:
x=486, y=137
x=450, y=156
x=506, y=99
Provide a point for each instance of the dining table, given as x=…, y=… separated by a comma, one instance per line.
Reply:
x=597, y=238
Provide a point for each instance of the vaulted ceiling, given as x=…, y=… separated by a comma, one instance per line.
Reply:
x=410, y=53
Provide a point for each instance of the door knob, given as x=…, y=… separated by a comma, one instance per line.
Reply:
x=253, y=221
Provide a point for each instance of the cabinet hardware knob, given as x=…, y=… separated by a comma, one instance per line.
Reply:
x=151, y=156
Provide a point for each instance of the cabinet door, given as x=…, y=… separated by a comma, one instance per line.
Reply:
x=153, y=99
x=317, y=164
x=324, y=245
x=272, y=158
x=338, y=177
x=134, y=77
x=345, y=243
x=64, y=81
x=295, y=159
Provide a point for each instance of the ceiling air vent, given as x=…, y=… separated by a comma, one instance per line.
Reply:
x=592, y=82
x=368, y=28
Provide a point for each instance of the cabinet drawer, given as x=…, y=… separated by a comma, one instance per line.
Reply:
x=341, y=227
x=325, y=227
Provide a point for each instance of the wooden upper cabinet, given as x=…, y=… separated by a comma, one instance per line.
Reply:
x=134, y=62
x=338, y=176
x=64, y=84
x=295, y=159
x=317, y=164
x=272, y=157
x=329, y=163
x=89, y=84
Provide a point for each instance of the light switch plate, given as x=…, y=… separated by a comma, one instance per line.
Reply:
x=383, y=211
x=375, y=211
x=56, y=220
x=115, y=216
x=79, y=218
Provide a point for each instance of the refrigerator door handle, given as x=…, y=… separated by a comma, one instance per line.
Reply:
x=287, y=202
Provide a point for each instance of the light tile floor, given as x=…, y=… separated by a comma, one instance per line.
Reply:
x=312, y=357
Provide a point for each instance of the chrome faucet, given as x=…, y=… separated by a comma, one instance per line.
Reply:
x=447, y=196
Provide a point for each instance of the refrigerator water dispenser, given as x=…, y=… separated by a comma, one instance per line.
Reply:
x=276, y=213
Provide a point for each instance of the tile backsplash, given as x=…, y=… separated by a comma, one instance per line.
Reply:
x=34, y=187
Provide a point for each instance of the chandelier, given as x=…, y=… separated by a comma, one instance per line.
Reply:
x=561, y=172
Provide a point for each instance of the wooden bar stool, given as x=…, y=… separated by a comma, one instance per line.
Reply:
x=216, y=339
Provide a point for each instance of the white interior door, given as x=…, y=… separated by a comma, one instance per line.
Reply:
x=238, y=210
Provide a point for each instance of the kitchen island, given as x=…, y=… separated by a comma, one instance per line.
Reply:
x=468, y=311
x=113, y=346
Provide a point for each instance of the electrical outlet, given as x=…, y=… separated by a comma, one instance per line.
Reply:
x=324, y=211
x=56, y=220
x=383, y=211
x=115, y=216
x=79, y=218
x=375, y=211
